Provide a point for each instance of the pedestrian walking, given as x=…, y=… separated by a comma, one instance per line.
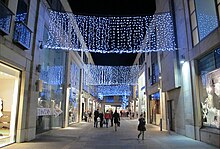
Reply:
x=90, y=116
x=111, y=118
x=116, y=118
x=96, y=115
x=101, y=119
x=141, y=126
x=107, y=117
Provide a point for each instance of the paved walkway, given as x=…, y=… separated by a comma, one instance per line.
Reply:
x=85, y=136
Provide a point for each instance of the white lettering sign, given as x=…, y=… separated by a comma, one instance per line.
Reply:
x=43, y=111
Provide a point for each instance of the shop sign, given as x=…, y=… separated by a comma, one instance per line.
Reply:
x=43, y=111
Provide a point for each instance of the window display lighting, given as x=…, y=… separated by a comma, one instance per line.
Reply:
x=110, y=34
x=111, y=75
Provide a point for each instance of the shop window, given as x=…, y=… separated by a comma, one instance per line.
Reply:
x=51, y=98
x=209, y=87
x=210, y=96
x=217, y=58
x=9, y=90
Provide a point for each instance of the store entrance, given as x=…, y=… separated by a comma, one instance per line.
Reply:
x=10, y=82
x=171, y=117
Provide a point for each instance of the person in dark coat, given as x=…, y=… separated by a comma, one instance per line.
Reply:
x=141, y=126
x=101, y=119
x=116, y=118
x=111, y=118
x=96, y=115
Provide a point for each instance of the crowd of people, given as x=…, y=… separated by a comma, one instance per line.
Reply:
x=103, y=119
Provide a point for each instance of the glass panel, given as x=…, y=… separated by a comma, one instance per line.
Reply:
x=22, y=34
x=217, y=58
x=74, y=93
x=206, y=17
x=209, y=88
x=50, y=101
x=22, y=11
x=195, y=37
x=207, y=63
x=193, y=20
x=191, y=6
x=5, y=19
x=9, y=80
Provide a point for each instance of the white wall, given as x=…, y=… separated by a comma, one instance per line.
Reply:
x=6, y=93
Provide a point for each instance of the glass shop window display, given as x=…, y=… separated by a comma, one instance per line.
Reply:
x=9, y=87
x=211, y=99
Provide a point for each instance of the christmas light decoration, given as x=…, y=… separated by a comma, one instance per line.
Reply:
x=111, y=75
x=113, y=90
x=124, y=101
x=110, y=34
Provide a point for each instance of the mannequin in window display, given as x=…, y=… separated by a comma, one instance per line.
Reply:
x=211, y=105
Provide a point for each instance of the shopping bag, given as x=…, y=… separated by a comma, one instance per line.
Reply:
x=118, y=124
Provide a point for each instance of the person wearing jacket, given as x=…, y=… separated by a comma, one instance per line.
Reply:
x=116, y=118
x=141, y=126
x=107, y=117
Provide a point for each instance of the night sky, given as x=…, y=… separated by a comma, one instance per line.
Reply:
x=113, y=8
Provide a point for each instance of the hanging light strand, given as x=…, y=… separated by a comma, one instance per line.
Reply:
x=111, y=75
x=111, y=34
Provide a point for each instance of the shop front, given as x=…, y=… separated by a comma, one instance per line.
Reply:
x=51, y=98
x=74, y=93
x=142, y=105
x=9, y=95
x=155, y=108
x=209, y=93
x=209, y=89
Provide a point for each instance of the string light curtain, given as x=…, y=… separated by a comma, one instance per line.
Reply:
x=111, y=75
x=111, y=34
x=113, y=90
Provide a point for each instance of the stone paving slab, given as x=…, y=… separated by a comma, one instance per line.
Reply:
x=85, y=136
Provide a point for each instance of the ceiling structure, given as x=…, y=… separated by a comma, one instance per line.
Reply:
x=113, y=8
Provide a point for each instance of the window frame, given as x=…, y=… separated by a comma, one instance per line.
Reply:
x=196, y=36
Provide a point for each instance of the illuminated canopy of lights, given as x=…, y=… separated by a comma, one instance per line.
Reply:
x=111, y=75
x=124, y=101
x=110, y=34
x=113, y=90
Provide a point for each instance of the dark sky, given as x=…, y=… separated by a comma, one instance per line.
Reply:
x=111, y=59
x=113, y=8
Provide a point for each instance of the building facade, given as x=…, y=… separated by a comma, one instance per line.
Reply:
x=182, y=86
x=41, y=88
